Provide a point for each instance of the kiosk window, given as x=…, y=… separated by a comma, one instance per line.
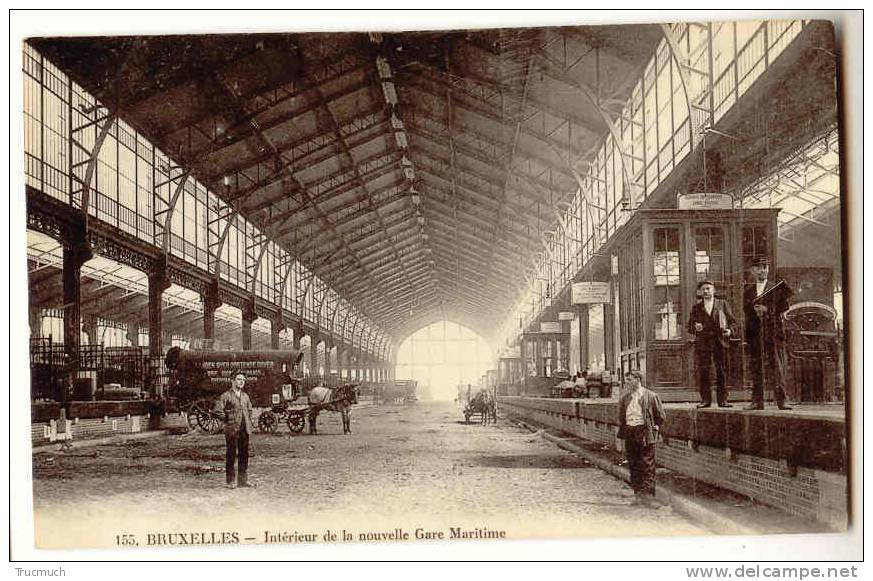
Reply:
x=709, y=254
x=755, y=243
x=665, y=265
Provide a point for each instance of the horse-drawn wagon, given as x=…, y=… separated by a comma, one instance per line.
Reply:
x=197, y=378
x=295, y=409
x=483, y=405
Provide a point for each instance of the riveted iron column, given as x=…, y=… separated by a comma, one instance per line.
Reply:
x=584, y=329
x=210, y=303
x=276, y=326
x=158, y=283
x=609, y=336
x=76, y=252
x=248, y=317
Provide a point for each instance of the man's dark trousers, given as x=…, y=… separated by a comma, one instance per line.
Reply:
x=237, y=445
x=705, y=356
x=641, y=460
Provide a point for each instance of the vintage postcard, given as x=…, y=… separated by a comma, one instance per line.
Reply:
x=399, y=285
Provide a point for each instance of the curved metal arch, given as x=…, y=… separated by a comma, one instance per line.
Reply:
x=345, y=321
x=171, y=207
x=319, y=311
x=356, y=318
x=92, y=162
x=369, y=341
x=679, y=56
x=279, y=289
x=364, y=328
x=364, y=324
x=231, y=218
x=613, y=131
x=258, y=262
x=336, y=308
x=306, y=293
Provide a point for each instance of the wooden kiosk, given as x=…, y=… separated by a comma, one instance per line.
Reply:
x=662, y=254
x=542, y=354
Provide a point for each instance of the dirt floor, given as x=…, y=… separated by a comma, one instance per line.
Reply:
x=407, y=468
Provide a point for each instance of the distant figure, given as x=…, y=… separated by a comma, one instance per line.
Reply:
x=712, y=323
x=235, y=408
x=580, y=384
x=764, y=304
x=640, y=418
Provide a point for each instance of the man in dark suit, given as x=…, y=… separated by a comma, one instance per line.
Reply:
x=712, y=323
x=765, y=334
x=235, y=408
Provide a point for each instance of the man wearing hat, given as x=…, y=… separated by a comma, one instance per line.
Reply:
x=765, y=334
x=235, y=408
x=712, y=324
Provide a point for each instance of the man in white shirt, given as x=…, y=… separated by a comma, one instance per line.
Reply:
x=641, y=416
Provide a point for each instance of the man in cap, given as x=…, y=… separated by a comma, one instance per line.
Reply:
x=765, y=334
x=235, y=408
x=712, y=323
x=640, y=418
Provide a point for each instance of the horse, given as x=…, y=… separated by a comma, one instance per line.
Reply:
x=483, y=403
x=336, y=399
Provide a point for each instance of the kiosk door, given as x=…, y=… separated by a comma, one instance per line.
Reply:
x=666, y=334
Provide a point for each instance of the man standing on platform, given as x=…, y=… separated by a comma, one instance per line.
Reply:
x=764, y=304
x=712, y=323
x=640, y=417
x=235, y=408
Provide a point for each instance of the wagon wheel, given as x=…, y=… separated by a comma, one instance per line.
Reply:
x=296, y=422
x=195, y=409
x=209, y=422
x=268, y=422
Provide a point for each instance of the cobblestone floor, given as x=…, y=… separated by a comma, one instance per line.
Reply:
x=403, y=467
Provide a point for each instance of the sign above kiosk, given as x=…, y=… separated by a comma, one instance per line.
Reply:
x=586, y=293
x=705, y=201
x=550, y=327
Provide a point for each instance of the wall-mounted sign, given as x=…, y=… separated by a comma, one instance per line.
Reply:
x=705, y=201
x=550, y=327
x=566, y=316
x=586, y=293
x=511, y=353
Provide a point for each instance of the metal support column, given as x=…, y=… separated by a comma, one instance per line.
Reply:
x=210, y=302
x=248, y=317
x=158, y=283
x=584, y=330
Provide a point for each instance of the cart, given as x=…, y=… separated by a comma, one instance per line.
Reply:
x=284, y=410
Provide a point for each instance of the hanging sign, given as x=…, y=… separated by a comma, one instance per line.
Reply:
x=705, y=201
x=586, y=293
x=566, y=316
x=550, y=327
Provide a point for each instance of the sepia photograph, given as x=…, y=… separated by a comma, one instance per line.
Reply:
x=297, y=287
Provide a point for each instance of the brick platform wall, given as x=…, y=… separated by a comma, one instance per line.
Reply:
x=800, y=490
x=86, y=429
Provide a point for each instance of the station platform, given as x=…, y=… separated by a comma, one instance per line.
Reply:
x=795, y=460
